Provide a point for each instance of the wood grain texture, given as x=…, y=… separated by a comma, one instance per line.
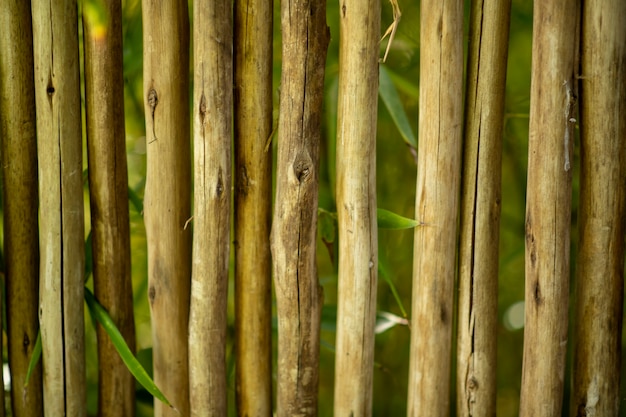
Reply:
x=108, y=192
x=212, y=115
x=293, y=235
x=548, y=206
x=167, y=206
x=253, y=206
x=437, y=205
x=480, y=209
x=19, y=176
x=61, y=227
x=356, y=206
x=600, y=269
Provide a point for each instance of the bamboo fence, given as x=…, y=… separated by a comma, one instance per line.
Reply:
x=577, y=135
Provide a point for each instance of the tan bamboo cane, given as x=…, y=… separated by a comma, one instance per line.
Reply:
x=436, y=207
x=253, y=206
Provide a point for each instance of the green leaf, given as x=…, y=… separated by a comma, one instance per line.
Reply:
x=389, y=220
x=391, y=99
x=382, y=269
x=34, y=359
x=122, y=348
x=327, y=224
x=88, y=256
x=135, y=201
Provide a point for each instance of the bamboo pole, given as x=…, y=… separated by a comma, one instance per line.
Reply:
x=293, y=236
x=253, y=206
x=480, y=208
x=437, y=204
x=548, y=204
x=356, y=206
x=61, y=239
x=19, y=176
x=600, y=272
x=108, y=191
x=167, y=205
x=212, y=114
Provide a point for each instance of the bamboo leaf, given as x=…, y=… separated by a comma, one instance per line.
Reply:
x=382, y=269
x=88, y=256
x=391, y=99
x=34, y=358
x=122, y=348
x=390, y=220
x=385, y=321
x=136, y=202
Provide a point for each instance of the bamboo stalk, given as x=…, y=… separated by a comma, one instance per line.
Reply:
x=167, y=203
x=213, y=82
x=356, y=206
x=293, y=236
x=253, y=206
x=108, y=191
x=600, y=272
x=480, y=209
x=19, y=176
x=61, y=239
x=548, y=201
x=437, y=204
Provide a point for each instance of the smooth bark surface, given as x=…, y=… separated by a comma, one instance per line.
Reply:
x=61, y=228
x=548, y=206
x=599, y=291
x=437, y=205
x=253, y=206
x=167, y=205
x=212, y=115
x=356, y=206
x=293, y=237
x=19, y=175
x=480, y=209
x=108, y=191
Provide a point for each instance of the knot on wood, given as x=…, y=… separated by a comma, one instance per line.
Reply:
x=220, y=184
x=153, y=99
x=302, y=166
x=202, y=107
x=243, y=182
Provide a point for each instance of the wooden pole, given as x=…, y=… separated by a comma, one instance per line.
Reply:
x=19, y=180
x=437, y=205
x=61, y=227
x=212, y=115
x=600, y=275
x=293, y=237
x=480, y=209
x=108, y=191
x=356, y=206
x=548, y=205
x=253, y=206
x=167, y=198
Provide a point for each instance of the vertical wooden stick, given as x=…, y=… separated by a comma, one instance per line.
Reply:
x=167, y=196
x=108, y=191
x=253, y=206
x=356, y=206
x=298, y=295
x=548, y=206
x=600, y=275
x=480, y=209
x=212, y=115
x=437, y=205
x=19, y=176
x=61, y=239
